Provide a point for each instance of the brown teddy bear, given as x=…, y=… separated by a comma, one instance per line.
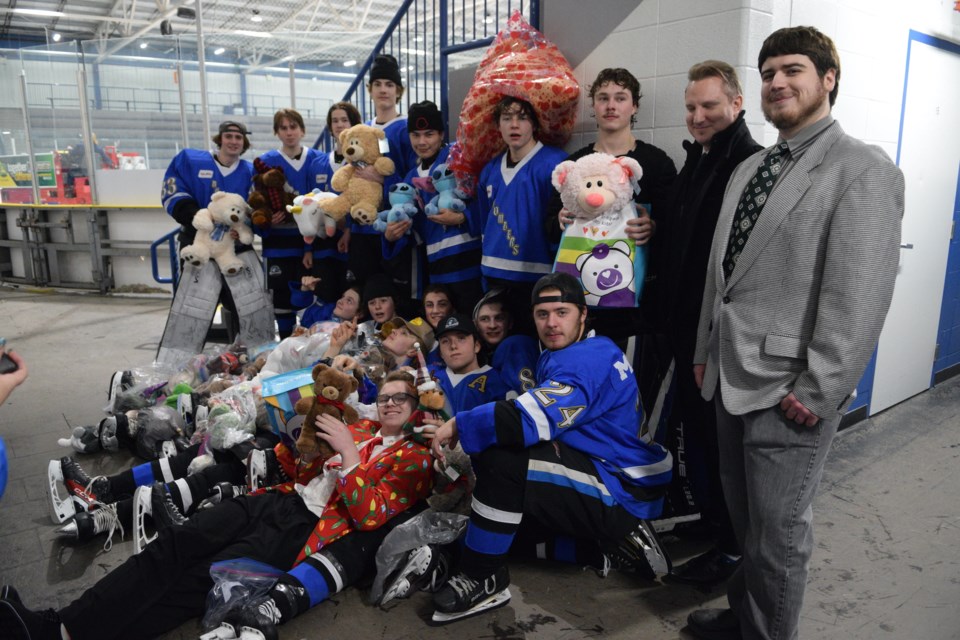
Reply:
x=271, y=193
x=331, y=388
x=358, y=197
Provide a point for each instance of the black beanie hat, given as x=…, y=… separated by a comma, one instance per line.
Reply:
x=385, y=67
x=379, y=285
x=424, y=116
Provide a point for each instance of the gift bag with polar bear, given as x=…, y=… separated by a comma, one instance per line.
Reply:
x=598, y=189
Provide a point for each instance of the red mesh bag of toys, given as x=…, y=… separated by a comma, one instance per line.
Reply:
x=520, y=63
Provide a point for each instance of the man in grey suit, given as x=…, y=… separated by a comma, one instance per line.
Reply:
x=800, y=277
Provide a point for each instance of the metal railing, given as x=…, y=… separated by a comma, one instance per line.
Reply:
x=170, y=240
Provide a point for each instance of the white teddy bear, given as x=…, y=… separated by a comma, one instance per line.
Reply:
x=226, y=212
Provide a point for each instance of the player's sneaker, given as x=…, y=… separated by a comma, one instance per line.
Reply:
x=87, y=524
x=640, y=552
x=463, y=596
x=426, y=569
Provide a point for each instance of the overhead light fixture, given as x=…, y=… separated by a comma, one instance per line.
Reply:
x=6, y=133
x=186, y=12
x=143, y=45
x=166, y=28
x=413, y=52
x=218, y=51
x=487, y=18
x=256, y=17
x=253, y=34
x=40, y=12
x=349, y=63
x=55, y=37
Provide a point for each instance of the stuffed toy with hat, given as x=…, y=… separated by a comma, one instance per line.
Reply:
x=449, y=195
x=331, y=388
x=226, y=212
x=270, y=194
x=402, y=207
x=358, y=196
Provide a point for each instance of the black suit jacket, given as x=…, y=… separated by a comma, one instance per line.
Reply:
x=698, y=194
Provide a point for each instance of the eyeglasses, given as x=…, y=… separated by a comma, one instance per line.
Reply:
x=396, y=398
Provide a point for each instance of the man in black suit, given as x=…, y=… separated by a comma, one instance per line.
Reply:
x=721, y=140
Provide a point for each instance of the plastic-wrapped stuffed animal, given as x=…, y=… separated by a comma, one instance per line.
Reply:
x=449, y=195
x=401, y=198
x=331, y=388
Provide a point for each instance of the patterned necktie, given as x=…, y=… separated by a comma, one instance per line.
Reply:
x=751, y=204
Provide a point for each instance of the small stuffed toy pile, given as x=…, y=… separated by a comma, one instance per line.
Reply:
x=226, y=212
x=359, y=197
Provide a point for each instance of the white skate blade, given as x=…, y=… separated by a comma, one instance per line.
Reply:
x=141, y=505
x=493, y=602
x=60, y=510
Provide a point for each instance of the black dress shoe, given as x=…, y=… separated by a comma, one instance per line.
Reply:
x=707, y=569
x=714, y=624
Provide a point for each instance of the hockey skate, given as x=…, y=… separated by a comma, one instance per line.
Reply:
x=82, y=491
x=87, y=524
x=263, y=470
x=252, y=622
x=640, y=552
x=426, y=569
x=163, y=510
x=120, y=381
x=463, y=597
x=221, y=492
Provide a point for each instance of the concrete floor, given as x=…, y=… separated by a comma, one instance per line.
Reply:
x=887, y=523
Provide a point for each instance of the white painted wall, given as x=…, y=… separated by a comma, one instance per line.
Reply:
x=660, y=39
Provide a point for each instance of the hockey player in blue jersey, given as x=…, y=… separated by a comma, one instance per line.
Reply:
x=386, y=90
x=285, y=254
x=512, y=193
x=569, y=457
x=452, y=244
x=513, y=355
x=192, y=178
x=466, y=384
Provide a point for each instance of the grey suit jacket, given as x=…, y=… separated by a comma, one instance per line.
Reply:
x=803, y=308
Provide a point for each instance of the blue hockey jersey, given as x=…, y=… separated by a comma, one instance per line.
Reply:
x=510, y=211
x=515, y=359
x=196, y=175
x=453, y=252
x=595, y=409
x=468, y=390
x=284, y=240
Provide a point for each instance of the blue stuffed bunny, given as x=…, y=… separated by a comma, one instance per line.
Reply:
x=449, y=196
